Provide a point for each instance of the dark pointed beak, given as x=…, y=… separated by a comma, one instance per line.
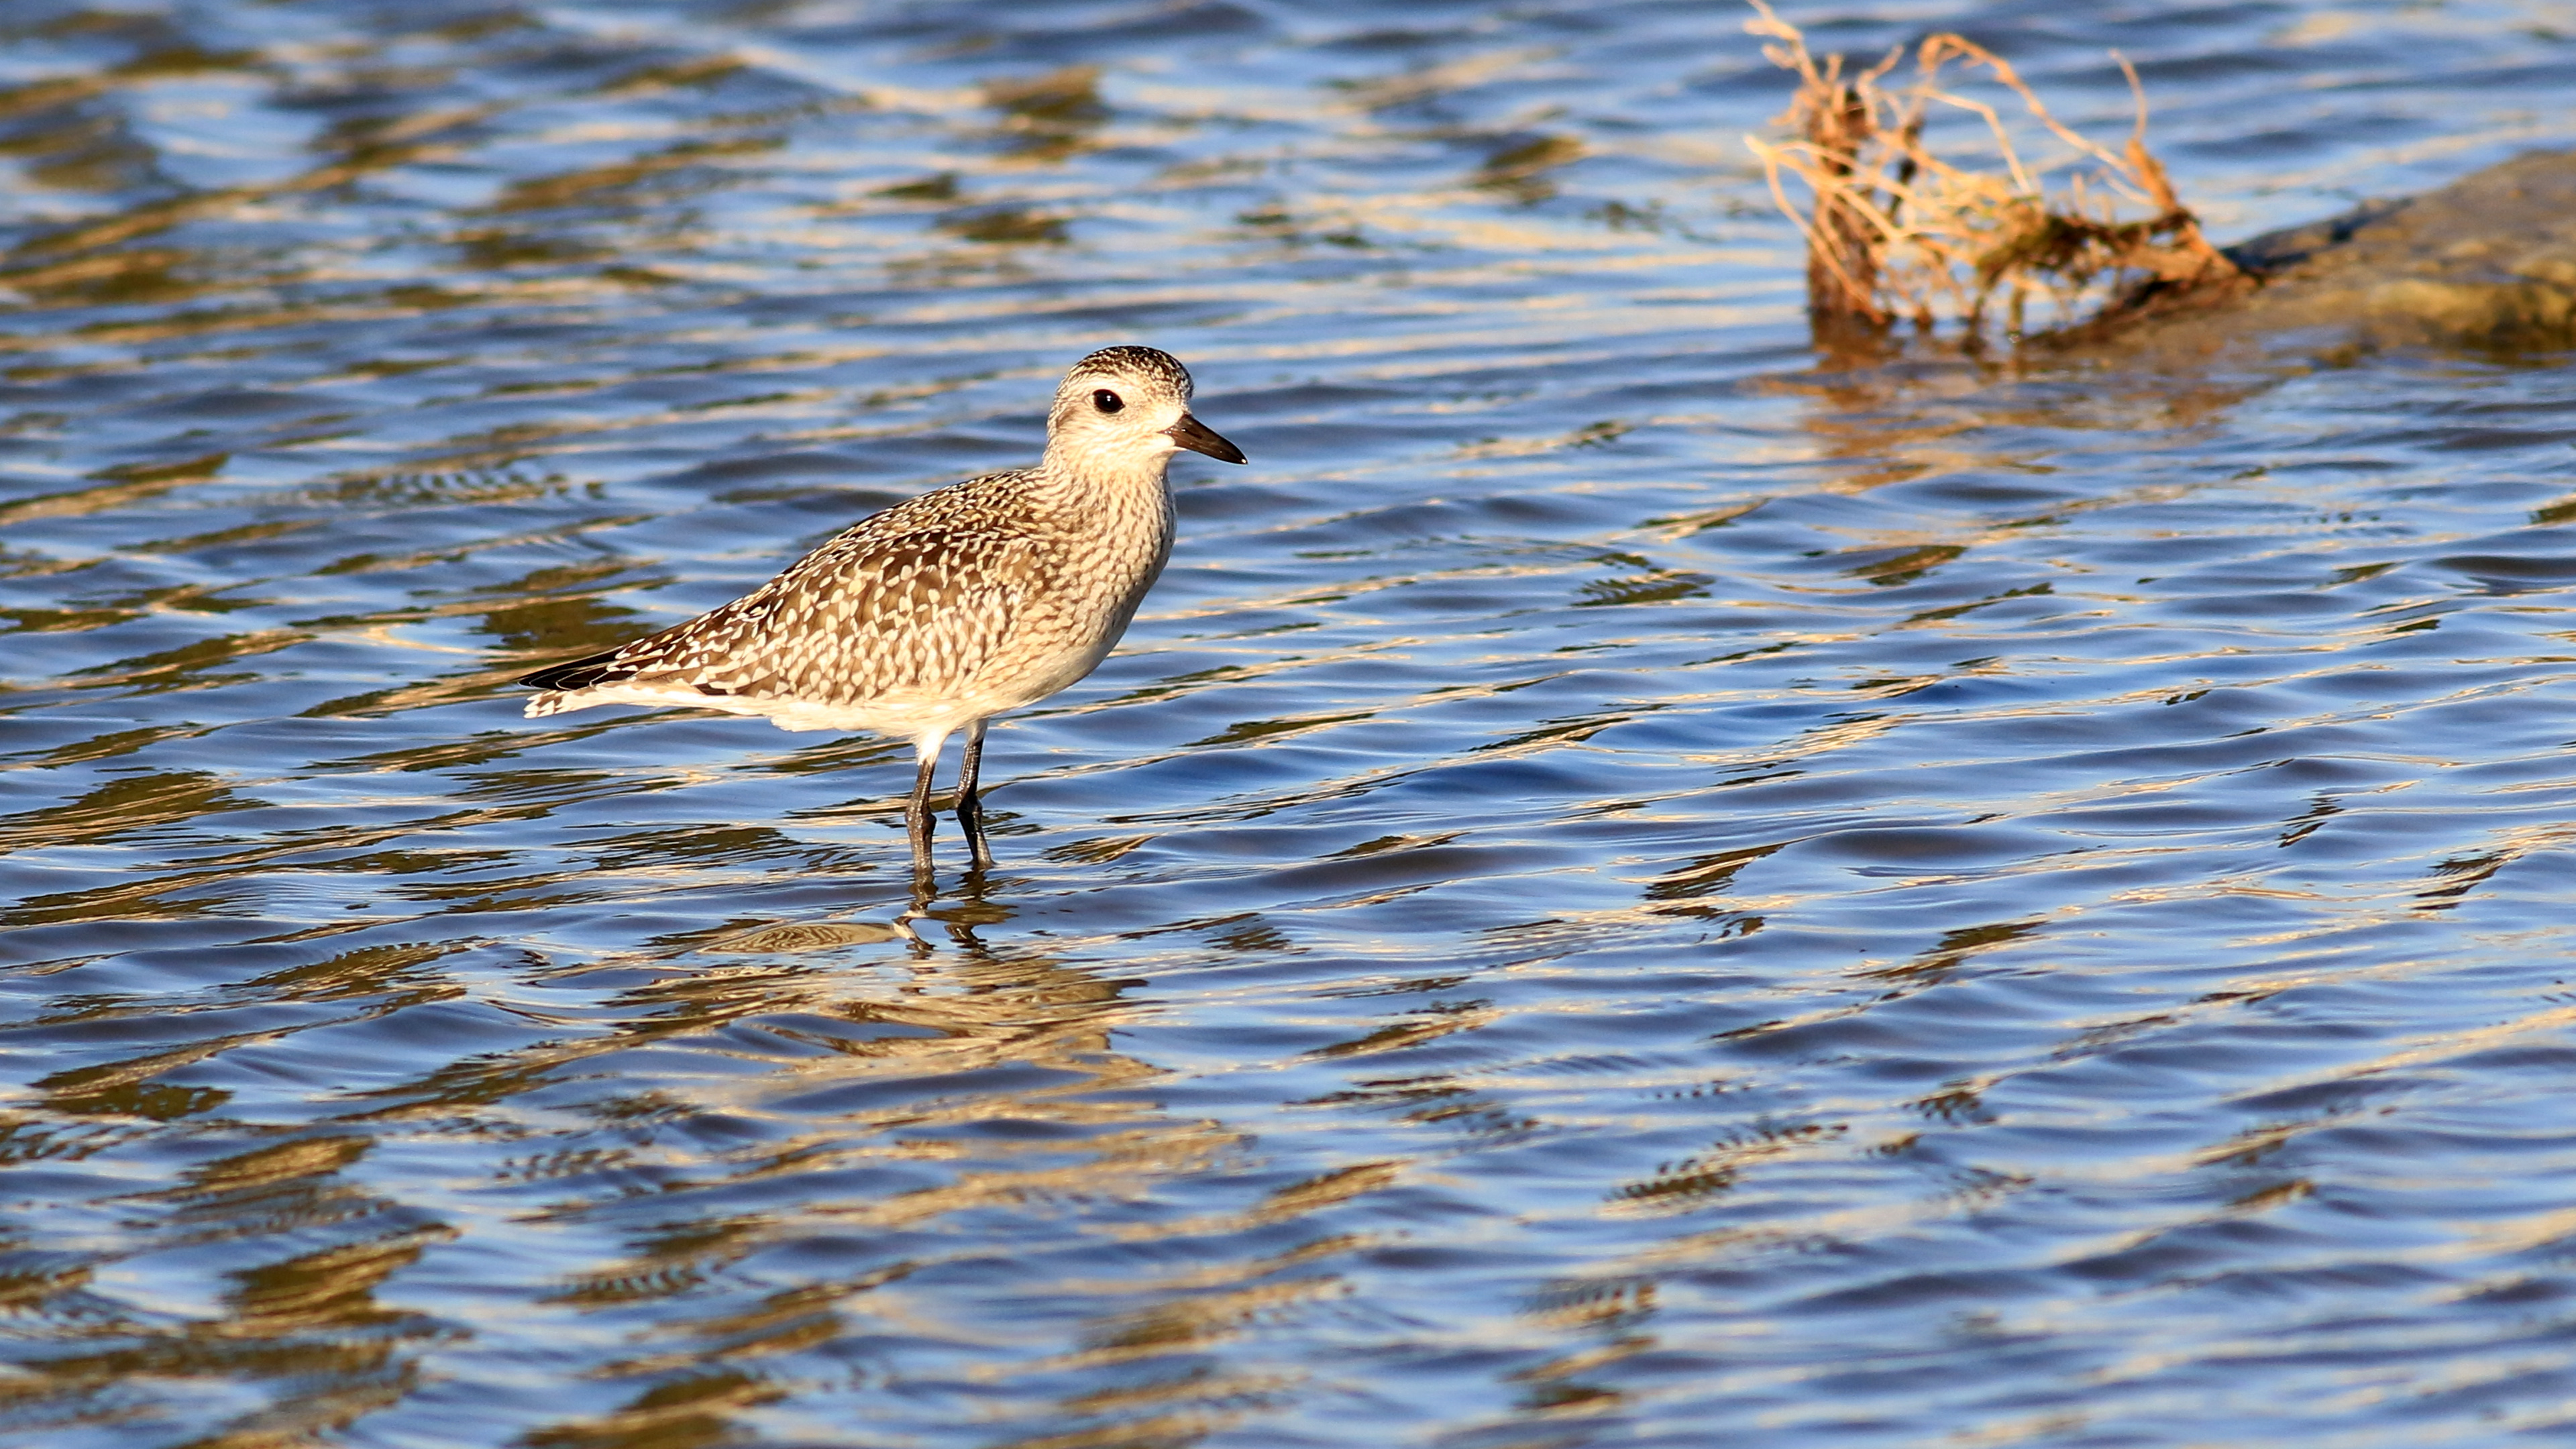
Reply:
x=1194, y=435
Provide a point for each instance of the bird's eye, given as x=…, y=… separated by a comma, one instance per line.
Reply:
x=1107, y=401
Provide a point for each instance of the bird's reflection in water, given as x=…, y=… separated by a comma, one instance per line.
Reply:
x=904, y=1080
x=918, y=924
x=788, y=938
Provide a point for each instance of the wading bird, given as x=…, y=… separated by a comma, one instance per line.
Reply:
x=947, y=609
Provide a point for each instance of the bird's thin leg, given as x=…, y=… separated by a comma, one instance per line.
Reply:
x=970, y=806
x=917, y=818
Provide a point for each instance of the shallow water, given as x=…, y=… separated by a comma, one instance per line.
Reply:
x=1629, y=887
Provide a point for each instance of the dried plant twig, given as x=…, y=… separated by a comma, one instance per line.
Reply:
x=1895, y=230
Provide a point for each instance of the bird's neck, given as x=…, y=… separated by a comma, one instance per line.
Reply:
x=1080, y=477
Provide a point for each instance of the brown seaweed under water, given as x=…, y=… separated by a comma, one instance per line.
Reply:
x=1629, y=889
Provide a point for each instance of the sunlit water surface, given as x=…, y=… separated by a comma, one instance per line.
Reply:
x=1628, y=889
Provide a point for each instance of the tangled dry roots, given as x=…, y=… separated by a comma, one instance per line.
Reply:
x=1896, y=232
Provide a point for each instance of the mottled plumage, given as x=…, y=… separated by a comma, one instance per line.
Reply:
x=947, y=609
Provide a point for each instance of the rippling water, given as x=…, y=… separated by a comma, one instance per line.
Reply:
x=1629, y=887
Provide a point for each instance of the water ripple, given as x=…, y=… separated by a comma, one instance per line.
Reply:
x=1627, y=886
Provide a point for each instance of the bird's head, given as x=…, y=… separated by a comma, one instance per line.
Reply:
x=1123, y=407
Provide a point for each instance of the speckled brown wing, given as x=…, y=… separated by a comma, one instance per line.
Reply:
x=919, y=599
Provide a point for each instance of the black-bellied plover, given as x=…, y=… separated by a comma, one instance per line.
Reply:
x=947, y=609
